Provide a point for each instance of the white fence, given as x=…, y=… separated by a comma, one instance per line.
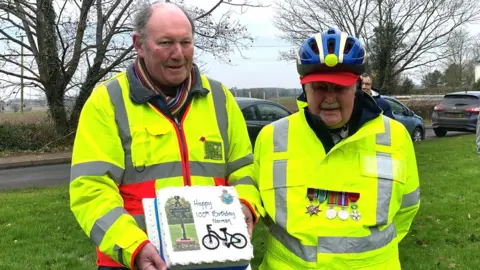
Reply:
x=419, y=98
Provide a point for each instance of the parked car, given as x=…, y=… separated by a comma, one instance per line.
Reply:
x=457, y=111
x=259, y=113
x=412, y=122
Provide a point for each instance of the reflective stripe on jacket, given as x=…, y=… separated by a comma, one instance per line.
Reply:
x=378, y=161
x=124, y=151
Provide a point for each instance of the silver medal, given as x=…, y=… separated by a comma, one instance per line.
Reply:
x=331, y=213
x=343, y=214
x=355, y=215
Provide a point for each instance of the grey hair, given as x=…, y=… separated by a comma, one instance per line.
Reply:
x=143, y=16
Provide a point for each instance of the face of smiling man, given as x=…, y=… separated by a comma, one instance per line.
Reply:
x=167, y=45
x=331, y=102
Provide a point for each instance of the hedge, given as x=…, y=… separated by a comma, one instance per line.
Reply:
x=31, y=137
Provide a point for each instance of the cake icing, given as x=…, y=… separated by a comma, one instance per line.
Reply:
x=200, y=227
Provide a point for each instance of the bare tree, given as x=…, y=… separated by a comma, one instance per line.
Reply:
x=460, y=59
x=476, y=48
x=422, y=27
x=298, y=19
x=69, y=46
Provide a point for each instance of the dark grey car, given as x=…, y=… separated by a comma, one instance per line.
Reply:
x=456, y=112
x=258, y=113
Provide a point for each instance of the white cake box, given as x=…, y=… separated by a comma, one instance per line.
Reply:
x=199, y=228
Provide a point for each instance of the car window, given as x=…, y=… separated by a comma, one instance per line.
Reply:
x=396, y=107
x=459, y=100
x=271, y=112
x=249, y=113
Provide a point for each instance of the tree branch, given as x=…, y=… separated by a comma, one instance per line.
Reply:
x=209, y=12
x=19, y=76
x=86, y=4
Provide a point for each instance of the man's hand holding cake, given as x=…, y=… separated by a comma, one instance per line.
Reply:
x=149, y=259
x=248, y=219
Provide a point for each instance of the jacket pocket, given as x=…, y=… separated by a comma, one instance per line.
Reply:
x=384, y=167
x=386, y=178
x=154, y=144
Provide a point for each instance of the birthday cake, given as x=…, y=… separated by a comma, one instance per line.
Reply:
x=199, y=228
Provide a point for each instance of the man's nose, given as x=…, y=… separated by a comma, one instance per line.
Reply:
x=177, y=53
x=330, y=95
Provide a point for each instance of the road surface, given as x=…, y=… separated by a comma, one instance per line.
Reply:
x=50, y=175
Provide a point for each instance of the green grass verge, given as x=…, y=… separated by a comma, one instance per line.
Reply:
x=446, y=232
x=38, y=230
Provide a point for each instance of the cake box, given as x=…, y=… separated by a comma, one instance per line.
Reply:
x=199, y=227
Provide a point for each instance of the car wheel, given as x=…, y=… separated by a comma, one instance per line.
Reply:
x=440, y=132
x=417, y=134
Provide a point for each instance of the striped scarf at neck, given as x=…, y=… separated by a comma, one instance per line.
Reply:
x=174, y=104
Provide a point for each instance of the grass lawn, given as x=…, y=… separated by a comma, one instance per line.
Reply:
x=38, y=230
x=446, y=232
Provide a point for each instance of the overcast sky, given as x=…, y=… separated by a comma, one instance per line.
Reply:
x=262, y=68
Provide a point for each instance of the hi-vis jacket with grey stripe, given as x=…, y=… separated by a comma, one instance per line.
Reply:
x=126, y=148
x=377, y=161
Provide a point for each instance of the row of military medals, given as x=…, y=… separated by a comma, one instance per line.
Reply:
x=341, y=199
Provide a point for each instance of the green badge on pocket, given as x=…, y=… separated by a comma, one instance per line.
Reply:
x=213, y=150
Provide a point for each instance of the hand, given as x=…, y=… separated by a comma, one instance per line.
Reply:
x=148, y=259
x=248, y=218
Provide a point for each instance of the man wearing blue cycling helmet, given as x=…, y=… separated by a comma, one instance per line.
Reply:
x=338, y=179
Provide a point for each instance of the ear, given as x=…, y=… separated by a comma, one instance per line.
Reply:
x=138, y=44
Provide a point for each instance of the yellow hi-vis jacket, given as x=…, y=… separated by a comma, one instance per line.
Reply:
x=125, y=149
x=301, y=104
x=377, y=162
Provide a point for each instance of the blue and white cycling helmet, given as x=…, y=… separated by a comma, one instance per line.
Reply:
x=331, y=56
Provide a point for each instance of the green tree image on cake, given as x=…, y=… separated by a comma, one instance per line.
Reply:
x=180, y=222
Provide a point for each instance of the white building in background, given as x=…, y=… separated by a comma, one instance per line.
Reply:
x=477, y=70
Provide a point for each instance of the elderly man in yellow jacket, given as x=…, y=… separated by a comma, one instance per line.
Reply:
x=338, y=179
x=160, y=123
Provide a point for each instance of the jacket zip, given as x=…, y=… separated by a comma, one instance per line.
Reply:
x=183, y=150
x=182, y=143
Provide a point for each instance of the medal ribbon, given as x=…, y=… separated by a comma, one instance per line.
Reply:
x=342, y=199
x=310, y=194
x=322, y=195
x=353, y=197
x=332, y=197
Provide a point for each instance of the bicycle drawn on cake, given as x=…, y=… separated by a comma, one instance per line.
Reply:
x=178, y=217
x=212, y=239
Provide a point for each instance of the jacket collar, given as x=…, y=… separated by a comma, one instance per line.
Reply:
x=139, y=94
x=365, y=110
